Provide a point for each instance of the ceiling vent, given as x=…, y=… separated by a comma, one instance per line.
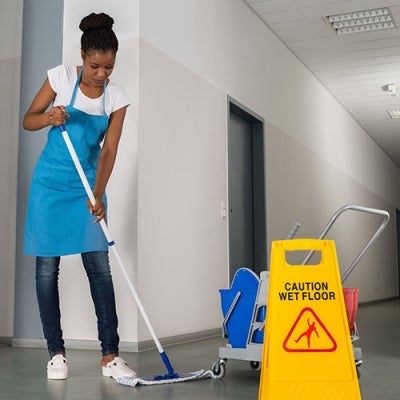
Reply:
x=361, y=21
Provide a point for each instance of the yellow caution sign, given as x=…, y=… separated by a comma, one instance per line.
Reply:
x=307, y=353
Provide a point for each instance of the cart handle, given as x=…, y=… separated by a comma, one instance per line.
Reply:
x=228, y=314
x=335, y=216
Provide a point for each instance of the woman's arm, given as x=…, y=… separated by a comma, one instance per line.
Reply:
x=37, y=117
x=107, y=158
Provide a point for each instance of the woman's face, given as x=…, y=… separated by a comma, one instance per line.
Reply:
x=97, y=66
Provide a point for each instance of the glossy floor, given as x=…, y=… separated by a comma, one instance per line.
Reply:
x=22, y=371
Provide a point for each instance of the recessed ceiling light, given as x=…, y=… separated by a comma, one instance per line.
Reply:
x=361, y=21
x=394, y=114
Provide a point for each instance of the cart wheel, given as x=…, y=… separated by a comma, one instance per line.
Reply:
x=219, y=368
x=358, y=366
x=255, y=365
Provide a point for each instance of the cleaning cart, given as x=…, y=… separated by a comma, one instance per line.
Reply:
x=244, y=304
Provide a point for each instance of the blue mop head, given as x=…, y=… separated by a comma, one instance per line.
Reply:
x=164, y=379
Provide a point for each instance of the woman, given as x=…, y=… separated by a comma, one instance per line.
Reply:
x=60, y=219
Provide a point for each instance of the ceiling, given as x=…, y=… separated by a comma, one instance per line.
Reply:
x=353, y=67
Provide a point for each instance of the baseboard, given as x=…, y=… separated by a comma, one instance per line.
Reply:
x=180, y=339
x=129, y=347
x=5, y=341
x=30, y=343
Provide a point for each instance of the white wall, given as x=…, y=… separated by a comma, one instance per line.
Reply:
x=10, y=66
x=227, y=45
x=171, y=173
x=318, y=157
x=182, y=257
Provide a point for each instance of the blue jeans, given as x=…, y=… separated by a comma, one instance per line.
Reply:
x=102, y=290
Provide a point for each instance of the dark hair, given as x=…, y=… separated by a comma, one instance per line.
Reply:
x=98, y=33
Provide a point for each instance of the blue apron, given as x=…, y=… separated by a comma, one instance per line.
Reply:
x=58, y=221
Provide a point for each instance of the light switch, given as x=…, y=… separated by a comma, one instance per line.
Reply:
x=223, y=209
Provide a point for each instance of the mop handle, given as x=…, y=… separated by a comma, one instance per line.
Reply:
x=107, y=234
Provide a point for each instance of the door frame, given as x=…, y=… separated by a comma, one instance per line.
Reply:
x=398, y=246
x=258, y=175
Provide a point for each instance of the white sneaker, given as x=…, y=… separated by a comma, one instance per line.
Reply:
x=118, y=368
x=57, y=367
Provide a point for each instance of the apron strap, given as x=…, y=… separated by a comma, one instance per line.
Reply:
x=72, y=101
x=104, y=98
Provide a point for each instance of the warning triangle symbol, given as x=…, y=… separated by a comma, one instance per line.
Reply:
x=309, y=334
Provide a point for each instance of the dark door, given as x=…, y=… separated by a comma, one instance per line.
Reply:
x=247, y=238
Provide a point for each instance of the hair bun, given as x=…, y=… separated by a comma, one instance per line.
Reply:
x=96, y=21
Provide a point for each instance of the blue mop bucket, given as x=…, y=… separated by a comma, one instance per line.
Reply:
x=238, y=306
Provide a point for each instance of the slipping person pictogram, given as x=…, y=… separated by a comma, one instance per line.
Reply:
x=307, y=333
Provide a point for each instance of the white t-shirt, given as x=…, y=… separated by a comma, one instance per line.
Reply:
x=62, y=80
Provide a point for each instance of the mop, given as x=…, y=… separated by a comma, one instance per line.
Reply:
x=171, y=376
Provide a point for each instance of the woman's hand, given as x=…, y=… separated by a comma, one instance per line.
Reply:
x=57, y=116
x=37, y=116
x=98, y=209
